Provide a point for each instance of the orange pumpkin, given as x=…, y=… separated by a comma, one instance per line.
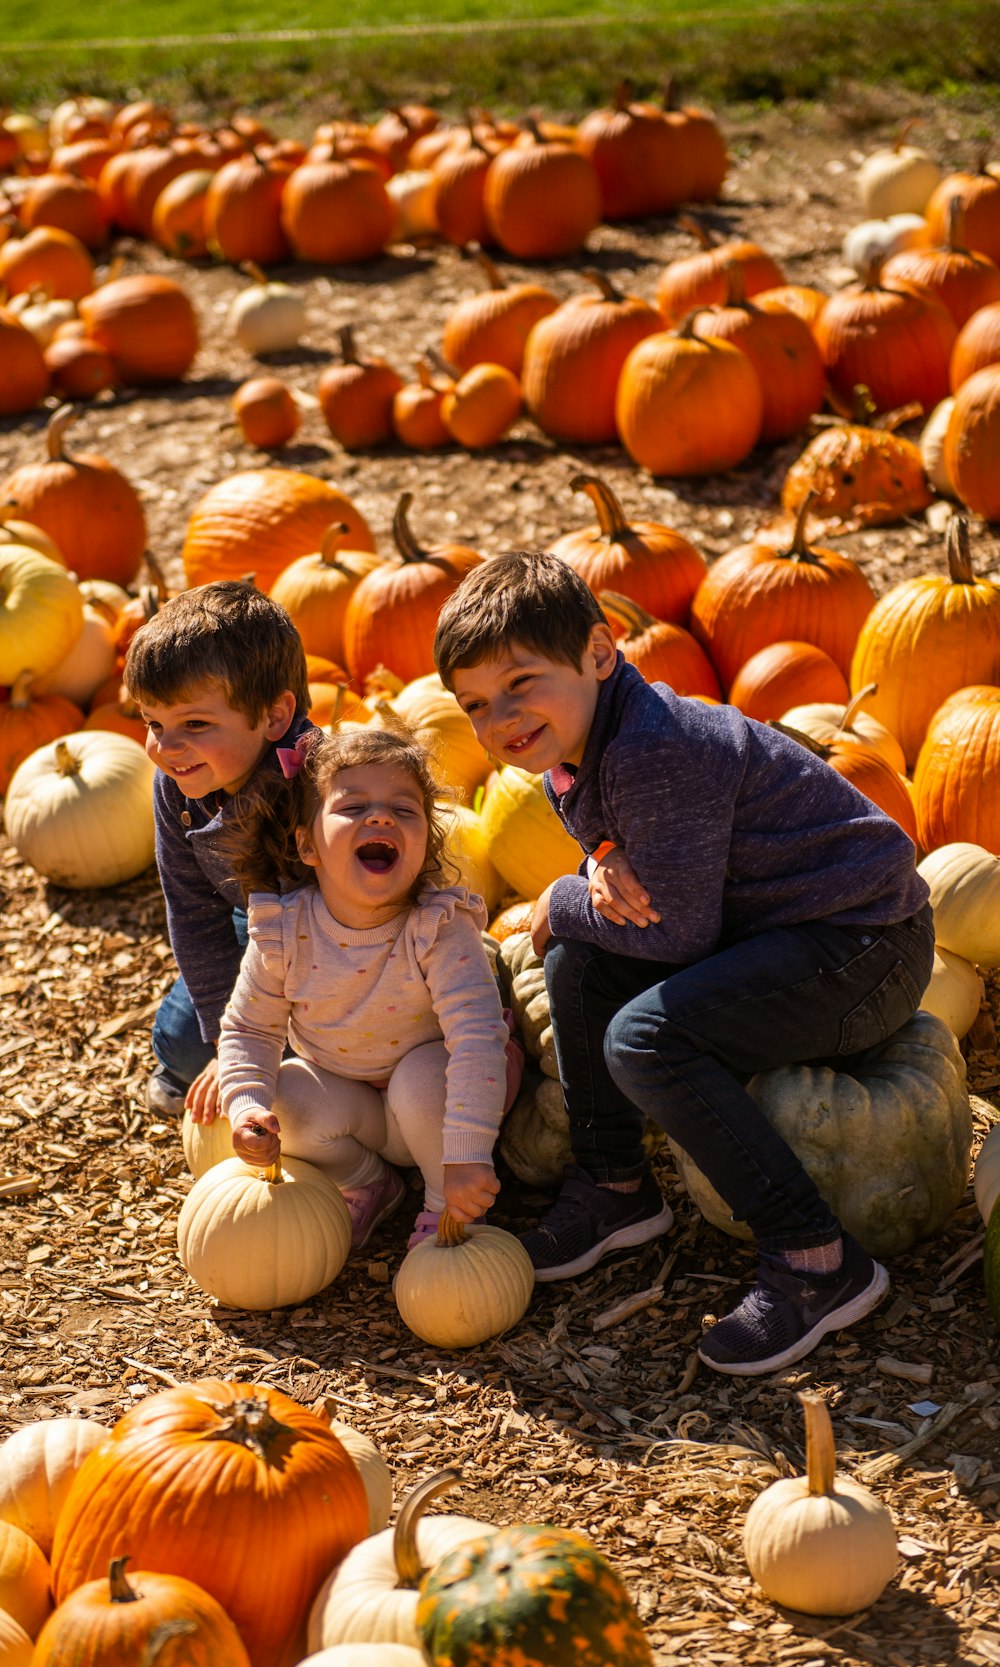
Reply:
x=979, y=196
x=652, y=564
x=417, y=417
x=178, y=218
x=961, y=280
x=315, y=591
x=893, y=340
x=926, y=638
x=782, y=350
x=266, y=412
x=259, y=520
x=356, y=396
x=641, y=159
x=48, y=259
x=662, y=652
x=688, y=406
x=978, y=344
x=29, y=721
x=392, y=615
x=859, y=474
x=24, y=376
x=516, y=917
x=493, y=327
x=785, y=674
x=779, y=587
x=801, y=299
x=119, y=714
x=79, y=367
x=243, y=211
x=336, y=211
x=115, y=1620
x=480, y=406
x=955, y=783
x=91, y=510
x=573, y=359
x=459, y=183
x=700, y=280
x=972, y=443
x=73, y=205
x=704, y=146
x=542, y=197
x=146, y=323
x=232, y=1485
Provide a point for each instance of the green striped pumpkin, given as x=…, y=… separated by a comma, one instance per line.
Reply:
x=529, y=1597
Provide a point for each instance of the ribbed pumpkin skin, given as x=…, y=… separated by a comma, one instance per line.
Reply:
x=956, y=783
x=572, y=362
x=644, y=560
x=336, y=212
x=978, y=344
x=782, y=673
x=662, y=652
x=24, y=376
x=455, y=1296
x=529, y=1595
x=494, y=327
x=762, y=592
x=924, y=639
x=89, y=508
x=640, y=160
x=961, y=281
x=700, y=280
x=895, y=342
x=964, y=882
x=392, y=615
x=979, y=195
x=527, y=842
x=89, y=1630
x=260, y=520
x=783, y=352
x=243, y=212
x=972, y=443
x=687, y=407
x=458, y=187
x=147, y=325
x=541, y=200
x=259, y=1533
x=877, y=780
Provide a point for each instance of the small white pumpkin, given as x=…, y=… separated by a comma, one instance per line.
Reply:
x=90, y=662
x=205, y=1144
x=41, y=612
x=80, y=810
x=367, y=1655
x=467, y=1284
x=986, y=1177
x=37, y=1466
x=269, y=317
x=413, y=193
x=964, y=881
x=375, y=1473
x=955, y=992
x=371, y=1596
x=41, y=314
x=875, y=240
x=931, y=443
x=263, y=1238
x=820, y=1543
x=897, y=179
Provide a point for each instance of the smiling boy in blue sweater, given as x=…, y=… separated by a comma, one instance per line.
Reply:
x=748, y=908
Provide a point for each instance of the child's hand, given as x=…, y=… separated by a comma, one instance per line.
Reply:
x=541, y=931
x=202, y=1098
x=616, y=893
x=255, y=1138
x=469, y=1189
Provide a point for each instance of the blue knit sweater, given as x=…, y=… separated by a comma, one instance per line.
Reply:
x=731, y=827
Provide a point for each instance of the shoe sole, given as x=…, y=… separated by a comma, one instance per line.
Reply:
x=640, y=1232
x=856, y=1309
x=388, y=1210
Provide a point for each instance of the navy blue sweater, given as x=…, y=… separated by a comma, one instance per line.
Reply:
x=200, y=890
x=731, y=827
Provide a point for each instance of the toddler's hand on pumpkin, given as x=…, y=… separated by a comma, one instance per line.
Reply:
x=255, y=1138
x=617, y=894
x=202, y=1098
x=469, y=1189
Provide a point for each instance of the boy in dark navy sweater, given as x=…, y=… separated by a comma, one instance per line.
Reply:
x=741, y=907
x=219, y=675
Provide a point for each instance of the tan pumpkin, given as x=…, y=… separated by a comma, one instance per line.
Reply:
x=466, y=1285
x=955, y=992
x=574, y=356
x=263, y=1238
x=260, y=520
x=829, y=721
x=205, y=1144
x=375, y=1473
x=269, y=317
x=987, y=1173
x=90, y=662
x=658, y=568
x=897, y=179
x=41, y=612
x=964, y=881
x=932, y=439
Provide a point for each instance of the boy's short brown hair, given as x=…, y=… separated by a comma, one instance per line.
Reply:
x=521, y=596
x=227, y=633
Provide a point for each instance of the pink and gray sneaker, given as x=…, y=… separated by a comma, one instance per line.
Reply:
x=370, y=1205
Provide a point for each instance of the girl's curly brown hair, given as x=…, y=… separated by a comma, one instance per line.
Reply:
x=261, y=841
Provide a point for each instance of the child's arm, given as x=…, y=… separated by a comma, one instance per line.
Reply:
x=616, y=891
x=254, y=1030
x=469, y=1189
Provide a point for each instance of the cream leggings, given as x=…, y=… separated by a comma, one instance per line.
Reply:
x=345, y=1127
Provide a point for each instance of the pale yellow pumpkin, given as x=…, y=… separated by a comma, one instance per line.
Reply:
x=267, y=317
x=897, y=179
x=37, y=1466
x=440, y=725
x=80, y=810
x=41, y=612
x=25, y=1579
x=955, y=992
x=820, y=1543
x=986, y=1176
x=366, y=1655
x=465, y=1285
x=90, y=662
x=16, y=1648
x=527, y=843
x=371, y=1596
x=931, y=442
x=263, y=1238
x=828, y=721
x=205, y=1144
x=467, y=848
x=964, y=883
x=13, y=531
x=375, y=1473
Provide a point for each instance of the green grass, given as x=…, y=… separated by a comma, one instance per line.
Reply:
x=512, y=55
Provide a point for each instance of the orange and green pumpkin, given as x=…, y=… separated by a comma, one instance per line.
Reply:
x=529, y=1597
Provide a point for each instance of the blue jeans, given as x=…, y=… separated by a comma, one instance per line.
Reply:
x=177, y=1040
x=637, y=1039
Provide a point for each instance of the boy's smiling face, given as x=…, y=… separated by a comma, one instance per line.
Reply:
x=206, y=746
x=531, y=711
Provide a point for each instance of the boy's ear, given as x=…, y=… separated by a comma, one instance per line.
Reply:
x=604, y=649
x=279, y=715
x=305, y=848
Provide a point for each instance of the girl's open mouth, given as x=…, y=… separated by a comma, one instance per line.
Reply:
x=377, y=855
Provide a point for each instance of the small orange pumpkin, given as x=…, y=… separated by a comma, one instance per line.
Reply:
x=493, y=327
x=662, y=652
x=266, y=412
x=786, y=674
x=356, y=396
x=147, y=324
x=29, y=721
x=573, y=360
x=972, y=443
x=699, y=280
x=113, y=1619
x=652, y=564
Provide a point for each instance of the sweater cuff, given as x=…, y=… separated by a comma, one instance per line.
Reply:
x=569, y=893
x=243, y=1101
x=468, y=1146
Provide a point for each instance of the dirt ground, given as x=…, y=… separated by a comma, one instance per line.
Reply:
x=613, y=1430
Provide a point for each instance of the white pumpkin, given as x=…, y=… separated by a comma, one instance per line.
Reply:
x=268, y=317
x=37, y=1466
x=41, y=612
x=931, y=443
x=90, y=662
x=375, y=1473
x=875, y=240
x=69, y=109
x=986, y=1176
x=898, y=179
x=205, y=1144
x=263, y=1238
x=366, y=1655
x=371, y=1596
x=80, y=810
x=412, y=194
x=465, y=1285
x=104, y=593
x=955, y=992
x=42, y=315
x=964, y=881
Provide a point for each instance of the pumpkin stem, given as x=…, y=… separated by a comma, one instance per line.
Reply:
x=332, y=540
x=821, y=1457
x=855, y=704
x=604, y=284
x=440, y=363
x=863, y=408
x=348, y=347
x=956, y=543
x=119, y=1590
x=59, y=422
x=66, y=764
x=20, y=691
x=889, y=421
x=450, y=1232
x=736, y=284
x=799, y=550
x=819, y=748
x=253, y=271
x=248, y=1422
x=904, y=132
x=624, y=611
x=494, y=277
x=405, y=542
x=610, y=514
x=409, y=1569
x=622, y=95
x=697, y=228
x=953, y=237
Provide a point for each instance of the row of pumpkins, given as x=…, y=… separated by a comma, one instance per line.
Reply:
x=258, y=1530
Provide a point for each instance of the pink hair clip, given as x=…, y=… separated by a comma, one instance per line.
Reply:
x=292, y=759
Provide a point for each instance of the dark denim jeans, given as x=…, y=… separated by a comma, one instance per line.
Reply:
x=177, y=1040
x=637, y=1039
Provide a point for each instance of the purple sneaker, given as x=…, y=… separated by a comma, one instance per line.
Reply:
x=425, y=1226
x=787, y=1313
x=369, y=1205
x=588, y=1221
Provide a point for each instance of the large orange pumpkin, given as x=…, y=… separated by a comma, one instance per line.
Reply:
x=700, y=280
x=493, y=327
x=687, y=406
x=243, y=211
x=654, y=565
x=259, y=520
x=119, y=1622
x=24, y=376
x=392, y=614
x=893, y=340
x=541, y=198
x=49, y=259
x=146, y=323
x=956, y=784
x=640, y=158
x=782, y=350
x=979, y=195
x=458, y=185
x=926, y=638
x=573, y=359
x=233, y=1486
x=972, y=443
x=336, y=211
x=775, y=588
x=785, y=674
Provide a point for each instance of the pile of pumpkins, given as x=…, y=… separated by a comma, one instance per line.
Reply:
x=257, y=1529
